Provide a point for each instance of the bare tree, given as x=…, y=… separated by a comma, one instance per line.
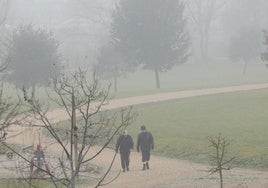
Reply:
x=264, y=55
x=9, y=107
x=4, y=8
x=245, y=46
x=152, y=34
x=89, y=125
x=218, y=158
x=33, y=57
x=111, y=65
x=202, y=14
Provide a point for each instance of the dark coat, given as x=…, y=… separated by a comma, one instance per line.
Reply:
x=39, y=154
x=124, y=143
x=145, y=141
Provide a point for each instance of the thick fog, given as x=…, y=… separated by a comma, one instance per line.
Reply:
x=76, y=74
x=223, y=32
x=79, y=26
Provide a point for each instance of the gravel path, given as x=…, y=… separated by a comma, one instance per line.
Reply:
x=164, y=172
x=173, y=173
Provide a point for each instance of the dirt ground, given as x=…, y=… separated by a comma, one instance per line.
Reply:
x=164, y=172
x=173, y=173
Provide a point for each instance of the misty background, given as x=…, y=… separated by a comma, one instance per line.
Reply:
x=226, y=38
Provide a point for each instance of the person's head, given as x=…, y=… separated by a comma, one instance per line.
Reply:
x=125, y=132
x=143, y=128
x=38, y=147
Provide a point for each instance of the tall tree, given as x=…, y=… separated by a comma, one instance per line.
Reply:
x=9, y=108
x=111, y=64
x=245, y=46
x=264, y=55
x=152, y=33
x=4, y=8
x=202, y=14
x=242, y=17
x=245, y=13
x=33, y=56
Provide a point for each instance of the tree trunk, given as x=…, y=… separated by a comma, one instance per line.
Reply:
x=245, y=67
x=73, y=144
x=221, y=180
x=26, y=91
x=5, y=7
x=115, y=84
x=33, y=92
x=204, y=44
x=157, y=78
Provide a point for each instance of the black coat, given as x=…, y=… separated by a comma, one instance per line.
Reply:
x=124, y=143
x=145, y=141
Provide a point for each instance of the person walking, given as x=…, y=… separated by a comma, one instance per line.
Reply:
x=38, y=161
x=145, y=143
x=125, y=145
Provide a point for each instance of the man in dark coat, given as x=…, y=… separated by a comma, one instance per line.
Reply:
x=145, y=144
x=124, y=144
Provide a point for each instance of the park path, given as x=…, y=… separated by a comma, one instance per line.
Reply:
x=174, y=173
x=166, y=172
x=59, y=114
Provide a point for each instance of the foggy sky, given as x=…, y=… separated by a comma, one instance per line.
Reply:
x=84, y=24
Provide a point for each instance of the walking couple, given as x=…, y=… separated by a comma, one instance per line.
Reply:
x=125, y=144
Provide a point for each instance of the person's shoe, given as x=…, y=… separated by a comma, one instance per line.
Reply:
x=144, y=167
x=124, y=170
x=147, y=165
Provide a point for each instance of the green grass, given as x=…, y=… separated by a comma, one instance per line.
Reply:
x=37, y=183
x=181, y=127
x=192, y=75
x=17, y=183
x=4, y=150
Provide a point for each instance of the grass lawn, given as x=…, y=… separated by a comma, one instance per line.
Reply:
x=16, y=183
x=181, y=127
x=188, y=76
x=192, y=75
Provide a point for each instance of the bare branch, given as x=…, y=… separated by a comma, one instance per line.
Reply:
x=84, y=100
x=220, y=144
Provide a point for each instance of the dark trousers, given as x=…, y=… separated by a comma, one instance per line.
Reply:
x=145, y=155
x=125, y=159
